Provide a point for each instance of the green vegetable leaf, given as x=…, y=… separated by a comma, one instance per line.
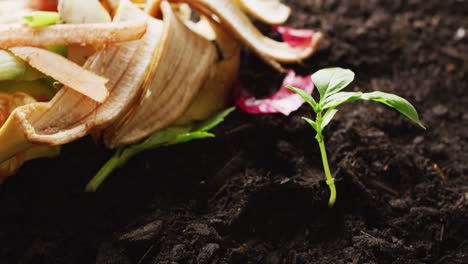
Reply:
x=166, y=137
x=396, y=102
x=311, y=123
x=332, y=80
x=328, y=117
x=307, y=97
x=213, y=121
x=339, y=98
x=161, y=137
x=190, y=136
x=41, y=18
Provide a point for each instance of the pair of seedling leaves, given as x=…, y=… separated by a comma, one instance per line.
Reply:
x=329, y=82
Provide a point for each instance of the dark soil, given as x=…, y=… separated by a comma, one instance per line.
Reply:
x=256, y=194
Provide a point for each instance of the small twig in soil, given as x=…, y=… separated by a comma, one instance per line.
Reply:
x=442, y=175
x=384, y=187
x=375, y=238
x=239, y=129
x=442, y=232
x=461, y=201
x=146, y=254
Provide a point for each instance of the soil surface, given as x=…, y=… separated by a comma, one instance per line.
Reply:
x=256, y=194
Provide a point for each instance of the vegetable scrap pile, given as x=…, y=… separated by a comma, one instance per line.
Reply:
x=133, y=74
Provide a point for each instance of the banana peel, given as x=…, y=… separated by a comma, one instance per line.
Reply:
x=271, y=12
x=172, y=84
x=153, y=8
x=215, y=93
x=25, y=150
x=238, y=24
x=14, y=35
x=64, y=71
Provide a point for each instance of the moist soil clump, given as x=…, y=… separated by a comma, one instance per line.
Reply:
x=256, y=194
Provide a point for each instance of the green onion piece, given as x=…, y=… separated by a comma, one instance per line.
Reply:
x=11, y=67
x=32, y=74
x=39, y=89
x=59, y=49
x=41, y=18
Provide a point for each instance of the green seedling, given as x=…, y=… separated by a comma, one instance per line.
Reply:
x=329, y=83
x=166, y=137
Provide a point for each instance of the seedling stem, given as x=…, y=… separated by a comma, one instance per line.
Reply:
x=326, y=168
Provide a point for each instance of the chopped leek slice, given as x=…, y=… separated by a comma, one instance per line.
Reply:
x=59, y=49
x=41, y=18
x=11, y=67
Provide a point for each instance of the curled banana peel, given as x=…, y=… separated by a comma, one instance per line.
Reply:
x=237, y=23
x=153, y=8
x=271, y=12
x=71, y=115
x=214, y=94
x=8, y=102
x=171, y=85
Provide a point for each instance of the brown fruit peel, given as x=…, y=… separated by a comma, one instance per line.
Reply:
x=16, y=139
x=271, y=12
x=171, y=84
x=237, y=23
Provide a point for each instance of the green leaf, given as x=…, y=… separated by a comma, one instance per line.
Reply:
x=332, y=80
x=41, y=18
x=396, y=102
x=306, y=96
x=213, y=121
x=339, y=98
x=190, y=136
x=328, y=117
x=166, y=137
x=162, y=137
x=311, y=123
